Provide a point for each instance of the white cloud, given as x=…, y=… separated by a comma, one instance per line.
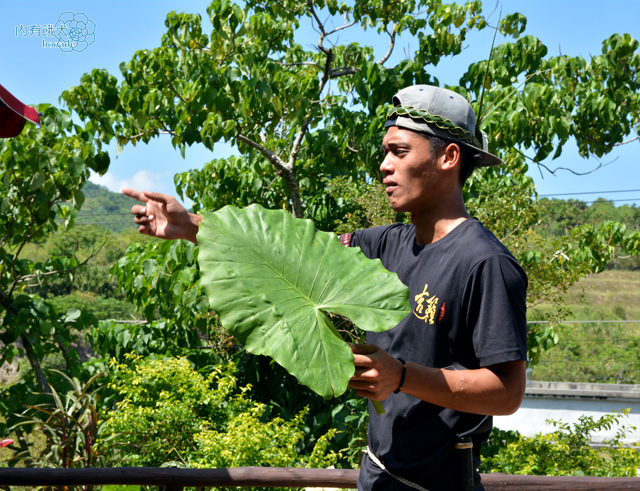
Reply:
x=142, y=180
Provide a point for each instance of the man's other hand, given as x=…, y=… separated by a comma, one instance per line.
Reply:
x=163, y=216
x=377, y=373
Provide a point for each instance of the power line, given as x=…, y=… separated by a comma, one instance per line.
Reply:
x=612, y=200
x=619, y=321
x=105, y=223
x=101, y=214
x=592, y=192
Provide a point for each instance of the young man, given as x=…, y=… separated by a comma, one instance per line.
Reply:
x=459, y=357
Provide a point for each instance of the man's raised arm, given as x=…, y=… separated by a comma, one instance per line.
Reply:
x=163, y=217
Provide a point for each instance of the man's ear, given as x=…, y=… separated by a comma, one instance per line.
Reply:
x=451, y=157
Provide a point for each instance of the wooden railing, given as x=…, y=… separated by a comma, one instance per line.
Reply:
x=175, y=479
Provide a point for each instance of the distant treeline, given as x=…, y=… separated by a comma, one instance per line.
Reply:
x=560, y=216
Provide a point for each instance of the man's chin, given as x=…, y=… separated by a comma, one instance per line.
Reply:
x=398, y=207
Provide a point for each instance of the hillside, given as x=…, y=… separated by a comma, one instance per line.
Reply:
x=604, y=346
x=105, y=208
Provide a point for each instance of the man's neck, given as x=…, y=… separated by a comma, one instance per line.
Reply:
x=433, y=226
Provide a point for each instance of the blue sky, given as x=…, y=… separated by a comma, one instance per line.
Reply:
x=35, y=74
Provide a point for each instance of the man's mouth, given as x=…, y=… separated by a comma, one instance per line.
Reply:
x=391, y=186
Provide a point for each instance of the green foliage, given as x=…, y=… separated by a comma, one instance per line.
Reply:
x=303, y=118
x=168, y=412
x=560, y=217
x=102, y=207
x=273, y=279
x=566, y=451
x=273, y=385
x=42, y=172
x=69, y=422
x=162, y=279
x=96, y=305
x=497, y=441
x=365, y=205
x=300, y=136
x=602, y=353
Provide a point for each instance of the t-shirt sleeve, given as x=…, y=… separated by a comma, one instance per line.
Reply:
x=495, y=296
x=370, y=240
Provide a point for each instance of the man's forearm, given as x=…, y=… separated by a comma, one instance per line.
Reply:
x=497, y=390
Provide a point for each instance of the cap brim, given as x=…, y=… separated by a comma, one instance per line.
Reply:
x=482, y=158
x=14, y=114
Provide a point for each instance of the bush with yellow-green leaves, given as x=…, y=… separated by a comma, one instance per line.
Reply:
x=170, y=414
x=567, y=451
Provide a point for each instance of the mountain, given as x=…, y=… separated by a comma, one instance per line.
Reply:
x=106, y=208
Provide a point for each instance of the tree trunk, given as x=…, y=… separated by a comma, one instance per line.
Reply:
x=294, y=193
x=35, y=364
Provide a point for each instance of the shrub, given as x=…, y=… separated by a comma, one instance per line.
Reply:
x=566, y=451
x=68, y=422
x=168, y=413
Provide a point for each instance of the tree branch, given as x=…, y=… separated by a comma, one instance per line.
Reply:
x=287, y=169
x=342, y=71
x=271, y=157
x=303, y=63
x=93, y=254
x=553, y=172
x=628, y=141
x=16, y=280
x=326, y=76
x=323, y=34
x=392, y=44
x=28, y=277
x=570, y=170
x=340, y=28
x=173, y=89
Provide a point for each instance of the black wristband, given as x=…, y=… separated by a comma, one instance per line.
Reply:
x=403, y=376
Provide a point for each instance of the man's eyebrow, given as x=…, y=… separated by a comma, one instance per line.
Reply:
x=392, y=144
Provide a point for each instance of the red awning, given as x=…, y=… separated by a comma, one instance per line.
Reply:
x=14, y=114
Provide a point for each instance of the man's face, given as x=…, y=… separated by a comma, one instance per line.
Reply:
x=410, y=173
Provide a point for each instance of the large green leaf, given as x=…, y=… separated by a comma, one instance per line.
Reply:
x=272, y=278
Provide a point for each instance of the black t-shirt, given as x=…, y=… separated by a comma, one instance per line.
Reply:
x=467, y=295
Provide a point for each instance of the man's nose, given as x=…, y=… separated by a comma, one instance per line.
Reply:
x=386, y=166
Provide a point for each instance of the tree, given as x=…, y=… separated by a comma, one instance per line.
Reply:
x=42, y=174
x=303, y=118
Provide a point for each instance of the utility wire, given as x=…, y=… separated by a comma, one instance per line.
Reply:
x=592, y=192
x=620, y=321
x=612, y=200
x=105, y=223
x=101, y=214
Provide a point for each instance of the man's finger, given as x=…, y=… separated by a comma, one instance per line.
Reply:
x=139, y=195
x=142, y=219
x=364, y=361
x=364, y=373
x=363, y=349
x=162, y=198
x=139, y=210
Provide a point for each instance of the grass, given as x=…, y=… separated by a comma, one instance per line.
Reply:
x=597, y=352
